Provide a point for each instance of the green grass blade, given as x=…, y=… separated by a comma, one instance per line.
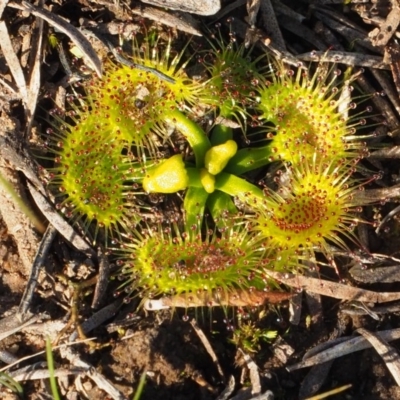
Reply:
x=50, y=364
x=140, y=387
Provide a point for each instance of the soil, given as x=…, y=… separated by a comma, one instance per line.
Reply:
x=165, y=345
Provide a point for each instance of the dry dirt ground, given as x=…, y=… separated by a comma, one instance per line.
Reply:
x=165, y=345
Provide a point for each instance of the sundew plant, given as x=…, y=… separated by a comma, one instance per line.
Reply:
x=142, y=132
